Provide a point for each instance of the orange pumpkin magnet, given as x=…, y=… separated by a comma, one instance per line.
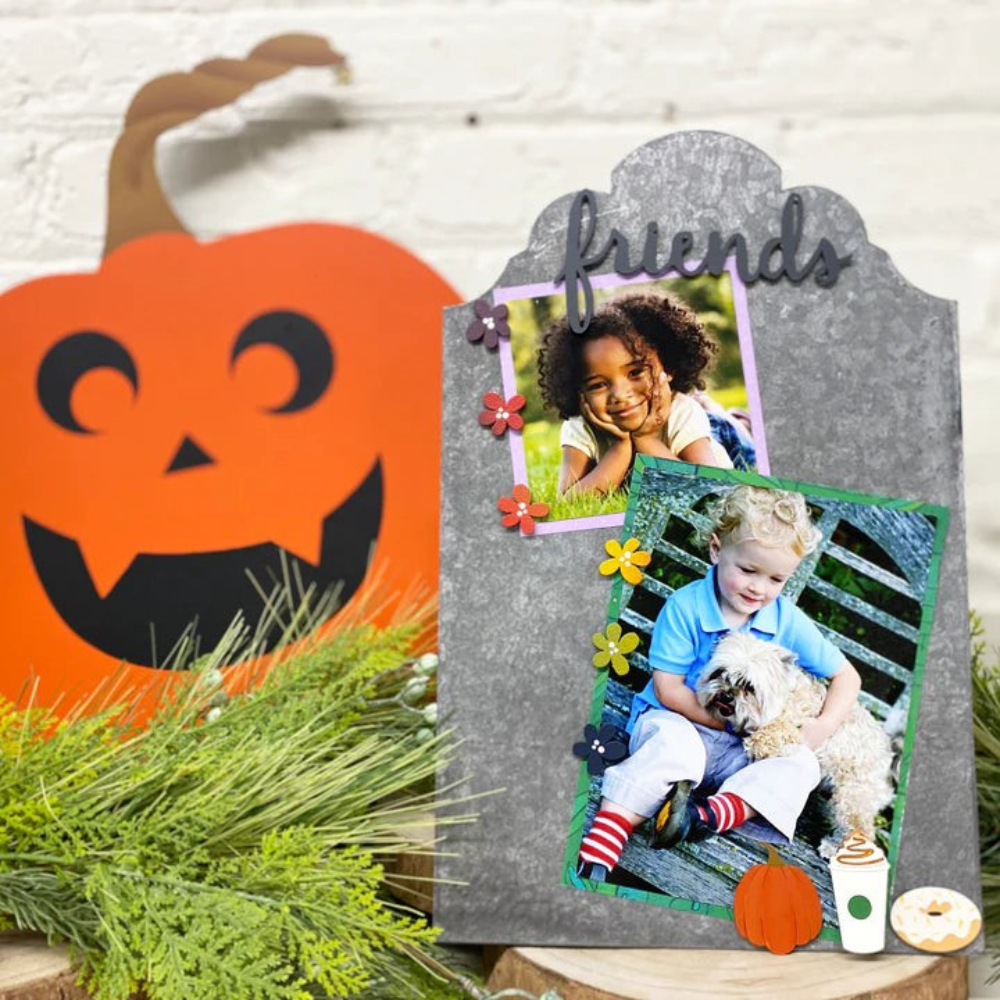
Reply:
x=776, y=906
x=193, y=420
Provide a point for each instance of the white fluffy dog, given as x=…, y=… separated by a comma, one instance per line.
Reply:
x=758, y=688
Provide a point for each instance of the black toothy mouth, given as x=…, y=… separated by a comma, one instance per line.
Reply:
x=159, y=596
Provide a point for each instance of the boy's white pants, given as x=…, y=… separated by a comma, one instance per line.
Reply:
x=666, y=748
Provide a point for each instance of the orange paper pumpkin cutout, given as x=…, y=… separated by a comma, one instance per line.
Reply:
x=776, y=906
x=194, y=414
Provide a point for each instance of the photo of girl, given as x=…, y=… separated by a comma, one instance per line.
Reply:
x=660, y=371
x=629, y=385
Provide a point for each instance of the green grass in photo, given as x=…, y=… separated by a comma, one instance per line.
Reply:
x=543, y=456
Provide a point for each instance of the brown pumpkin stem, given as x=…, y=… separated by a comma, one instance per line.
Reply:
x=774, y=859
x=137, y=204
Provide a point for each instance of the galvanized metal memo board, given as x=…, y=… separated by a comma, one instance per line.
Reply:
x=833, y=370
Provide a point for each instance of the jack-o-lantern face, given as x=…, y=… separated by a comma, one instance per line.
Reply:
x=195, y=421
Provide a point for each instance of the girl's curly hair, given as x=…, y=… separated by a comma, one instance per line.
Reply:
x=642, y=322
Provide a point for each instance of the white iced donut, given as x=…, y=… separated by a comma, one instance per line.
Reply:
x=935, y=919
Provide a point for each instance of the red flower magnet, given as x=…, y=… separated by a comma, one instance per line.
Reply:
x=501, y=414
x=519, y=511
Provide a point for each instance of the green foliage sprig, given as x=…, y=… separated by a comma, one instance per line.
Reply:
x=986, y=727
x=232, y=846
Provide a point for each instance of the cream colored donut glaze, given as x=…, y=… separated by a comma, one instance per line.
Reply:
x=935, y=919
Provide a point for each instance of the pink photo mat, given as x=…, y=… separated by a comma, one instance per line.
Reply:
x=513, y=292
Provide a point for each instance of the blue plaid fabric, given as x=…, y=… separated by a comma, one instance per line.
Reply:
x=735, y=440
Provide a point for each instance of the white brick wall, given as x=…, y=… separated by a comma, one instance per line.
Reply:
x=894, y=106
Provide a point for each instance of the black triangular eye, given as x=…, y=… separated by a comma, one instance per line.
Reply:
x=67, y=361
x=304, y=342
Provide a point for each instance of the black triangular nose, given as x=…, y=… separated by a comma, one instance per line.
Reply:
x=188, y=456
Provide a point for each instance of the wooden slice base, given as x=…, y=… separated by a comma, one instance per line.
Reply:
x=410, y=876
x=668, y=974
x=31, y=970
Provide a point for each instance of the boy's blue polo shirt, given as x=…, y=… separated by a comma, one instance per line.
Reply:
x=690, y=624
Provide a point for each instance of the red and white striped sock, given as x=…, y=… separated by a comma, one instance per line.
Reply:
x=724, y=811
x=606, y=840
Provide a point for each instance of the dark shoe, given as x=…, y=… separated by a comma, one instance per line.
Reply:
x=679, y=819
x=593, y=871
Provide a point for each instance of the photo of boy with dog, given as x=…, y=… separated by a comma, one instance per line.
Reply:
x=770, y=698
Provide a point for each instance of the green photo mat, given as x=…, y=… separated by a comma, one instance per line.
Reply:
x=641, y=491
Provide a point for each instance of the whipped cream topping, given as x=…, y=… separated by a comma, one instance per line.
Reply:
x=857, y=851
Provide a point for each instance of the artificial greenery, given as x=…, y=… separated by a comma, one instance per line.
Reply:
x=231, y=844
x=986, y=726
